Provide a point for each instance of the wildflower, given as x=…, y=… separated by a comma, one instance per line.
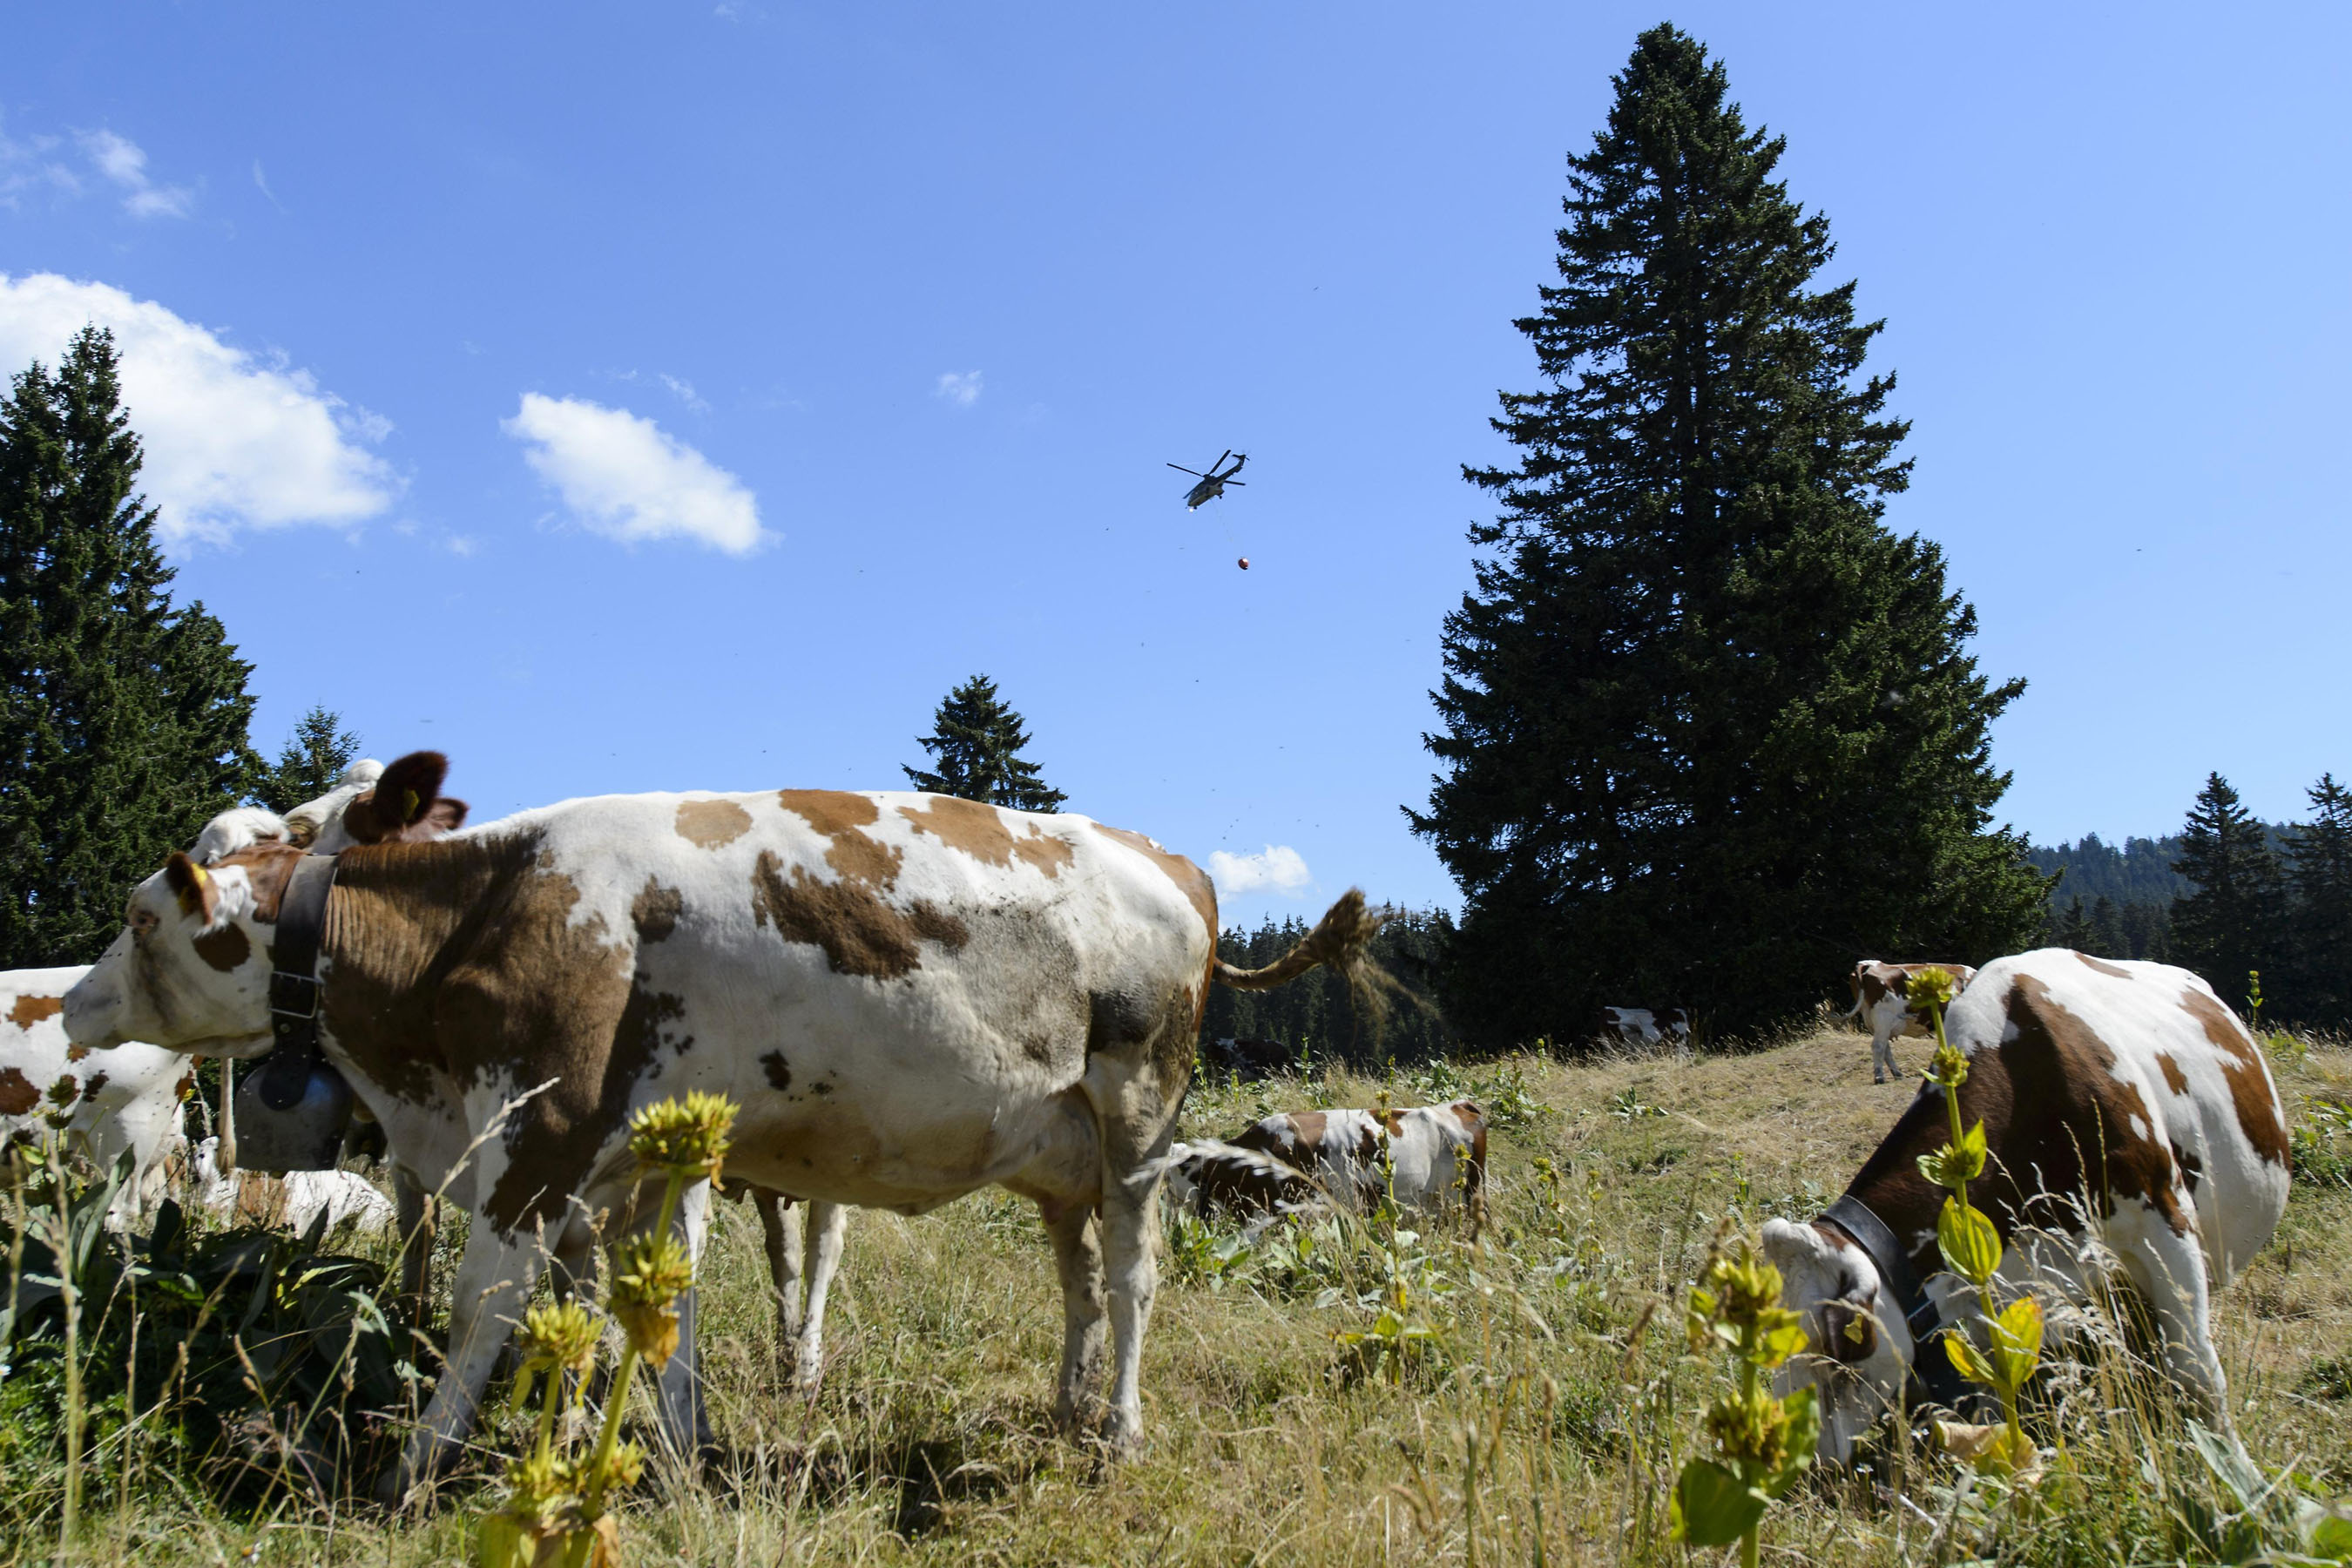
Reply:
x=558, y=1338
x=686, y=1139
x=652, y=1274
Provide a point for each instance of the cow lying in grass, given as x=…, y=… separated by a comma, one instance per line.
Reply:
x=295, y=1200
x=1424, y=1158
x=1882, y=999
x=105, y=1103
x=1210, y=1177
x=909, y=997
x=1646, y=1025
x=2126, y=1112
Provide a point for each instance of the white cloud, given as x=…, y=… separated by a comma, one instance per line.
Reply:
x=685, y=392
x=232, y=440
x=627, y=479
x=122, y=160
x=262, y=181
x=1277, y=867
x=962, y=390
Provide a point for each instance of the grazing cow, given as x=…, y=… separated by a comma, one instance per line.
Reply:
x=128, y=1098
x=1211, y=1177
x=2123, y=1105
x=1419, y=1155
x=294, y=1200
x=1249, y=1058
x=1646, y=1025
x=909, y=997
x=1882, y=998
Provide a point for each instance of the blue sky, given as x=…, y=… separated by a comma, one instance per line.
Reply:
x=676, y=397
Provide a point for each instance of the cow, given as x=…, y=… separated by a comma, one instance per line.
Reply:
x=1646, y=1025
x=1420, y=1157
x=1248, y=1058
x=1211, y=1177
x=296, y=1200
x=909, y=997
x=104, y=1103
x=2126, y=1112
x=1882, y=1000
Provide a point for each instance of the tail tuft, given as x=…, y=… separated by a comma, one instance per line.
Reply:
x=1342, y=940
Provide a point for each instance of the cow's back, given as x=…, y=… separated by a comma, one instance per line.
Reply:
x=2181, y=1088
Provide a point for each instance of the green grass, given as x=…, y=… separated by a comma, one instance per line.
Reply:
x=1545, y=1425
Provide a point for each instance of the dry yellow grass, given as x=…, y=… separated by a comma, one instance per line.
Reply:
x=1550, y=1434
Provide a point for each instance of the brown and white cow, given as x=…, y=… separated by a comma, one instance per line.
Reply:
x=1422, y=1156
x=1647, y=1026
x=1211, y=1177
x=1882, y=1000
x=103, y=1103
x=909, y=997
x=2123, y=1105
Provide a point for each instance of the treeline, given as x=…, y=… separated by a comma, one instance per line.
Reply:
x=2226, y=895
x=1314, y=1014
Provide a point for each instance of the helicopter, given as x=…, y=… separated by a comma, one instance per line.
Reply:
x=1213, y=483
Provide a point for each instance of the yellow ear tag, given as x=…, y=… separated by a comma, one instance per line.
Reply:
x=1853, y=1331
x=408, y=805
x=202, y=880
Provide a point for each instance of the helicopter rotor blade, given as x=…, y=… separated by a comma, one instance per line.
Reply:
x=1241, y=483
x=1182, y=469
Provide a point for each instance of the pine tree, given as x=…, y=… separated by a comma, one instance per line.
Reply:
x=2321, y=856
x=2234, y=922
x=1711, y=729
x=312, y=759
x=2104, y=931
x=975, y=745
x=122, y=719
x=2074, y=928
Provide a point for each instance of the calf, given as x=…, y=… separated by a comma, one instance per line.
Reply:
x=103, y=1103
x=2126, y=1111
x=1646, y=1025
x=296, y=1200
x=1210, y=1177
x=909, y=997
x=1882, y=999
x=1418, y=1156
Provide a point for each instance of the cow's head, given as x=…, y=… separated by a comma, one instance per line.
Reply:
x=1858, y=1347
x=377, y=804
x=191, y=970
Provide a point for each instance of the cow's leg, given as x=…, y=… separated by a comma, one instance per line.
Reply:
x=826, y=1222
x=1077, y=1258
x=685, y=1418
x=494, y=1281
x=414, y=1212
x=1881, y=1054
x=1135, y=1102
x=2167, y=1269
x=780, y=1226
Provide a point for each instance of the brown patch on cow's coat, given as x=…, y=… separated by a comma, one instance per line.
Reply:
x=27, y=1011
x=654, y=910
x=980, y=832
x=1187, y=877
x=17, y=1095
x=2104, y=967
x=710, y=824
x=843, y=818
x=224, y=948
x=90, y=1086
x=75, y=1053
x=2250, y=1092
x=2174, y=1079
x=1309, y=1126
x=268, y=867
x=779, y=1071
x=860, y=934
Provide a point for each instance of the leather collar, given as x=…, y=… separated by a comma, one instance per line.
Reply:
x=285, y=1073
x=1933, y=1379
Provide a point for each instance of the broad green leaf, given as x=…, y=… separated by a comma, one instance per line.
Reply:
x=2017, y=1339
x=1970, y=1361
x=1712, y=1507
x=1970, y=1246
x=2332, y=1540
x=1779, y=1344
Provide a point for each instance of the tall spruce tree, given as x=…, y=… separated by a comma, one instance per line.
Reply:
x=975, y=744
x=1711, y=729
x=2320, y=854
x=2235, y=921
x=309, y=763
x=122, y=719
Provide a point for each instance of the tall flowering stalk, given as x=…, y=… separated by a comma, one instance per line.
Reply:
x=1972, y=1249
x=1762, y=1442
x=557, y=1510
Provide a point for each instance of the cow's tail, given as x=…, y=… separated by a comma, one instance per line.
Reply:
x=1341, y=941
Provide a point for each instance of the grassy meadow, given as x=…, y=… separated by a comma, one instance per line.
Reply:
x=1540, y=1419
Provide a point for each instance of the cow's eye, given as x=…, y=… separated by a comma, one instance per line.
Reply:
x=141, y=921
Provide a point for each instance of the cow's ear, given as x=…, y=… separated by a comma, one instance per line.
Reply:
x=445, y=815
x=1853, y=1330
x=198, y=893
x=409, y=788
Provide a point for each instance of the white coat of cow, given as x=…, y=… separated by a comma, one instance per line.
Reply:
x=2123, y=1092
x=1423, y=1157
x=1882, y=999
x=109, y=1101
x=909, y=997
